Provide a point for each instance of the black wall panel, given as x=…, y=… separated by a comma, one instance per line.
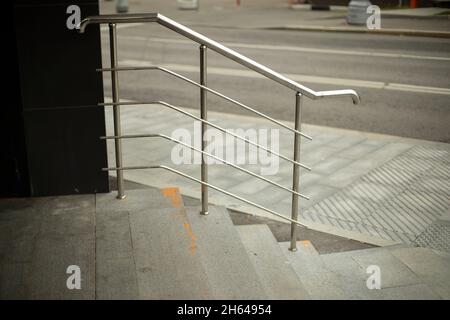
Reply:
x=57, y=114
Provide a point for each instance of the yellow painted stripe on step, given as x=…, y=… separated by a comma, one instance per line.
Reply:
x=305, y=243
x=174, y=194
x=192, y=236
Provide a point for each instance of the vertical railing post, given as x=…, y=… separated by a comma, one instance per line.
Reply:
x=296, y=171
x=116, y=108
x=203, y=116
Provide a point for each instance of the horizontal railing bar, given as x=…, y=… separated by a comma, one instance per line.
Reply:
x=219, y=48
x=179, y=76
x=227, y=132
x=208, y=185
x=152, y=135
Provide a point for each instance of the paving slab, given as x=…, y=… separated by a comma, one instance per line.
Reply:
x=115, y=265
x=48, y=277
x=393, y=272
x=14, y=281
x=398, y=280
x=42, y=237
x=136, y=200
x=116, y=279
x=434, y=269
x=412, y=292
x=352, y=277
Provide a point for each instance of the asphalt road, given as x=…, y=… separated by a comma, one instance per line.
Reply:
x=404, y=82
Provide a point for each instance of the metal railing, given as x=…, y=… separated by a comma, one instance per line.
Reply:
x=205, y=44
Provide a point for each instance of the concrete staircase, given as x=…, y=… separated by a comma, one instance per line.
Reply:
x=152, y=246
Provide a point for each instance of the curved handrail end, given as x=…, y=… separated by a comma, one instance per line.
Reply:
x=83, y=24
x=336, y=93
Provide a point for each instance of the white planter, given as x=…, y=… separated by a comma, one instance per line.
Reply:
x=357, y=12
x=187, y=4
x=122, y=6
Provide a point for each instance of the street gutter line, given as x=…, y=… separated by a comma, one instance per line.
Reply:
x=397, y=32
x=296, y=77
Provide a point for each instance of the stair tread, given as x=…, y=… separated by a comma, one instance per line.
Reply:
x=230, y=272
x=168, y=264
x=399, y=278
x=276, y=275
x=115, y=268
x=144, y=249
x=134, y=200
x=431, y=267
x=317, y=279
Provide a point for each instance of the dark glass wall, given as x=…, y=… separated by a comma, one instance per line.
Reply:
x=52, y=124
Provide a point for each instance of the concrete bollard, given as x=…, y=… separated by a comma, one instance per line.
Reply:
x=121, y=6
x=187, y=4
x=357, y=12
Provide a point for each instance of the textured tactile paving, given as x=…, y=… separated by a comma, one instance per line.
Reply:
x=436, y=236
x=400, y=200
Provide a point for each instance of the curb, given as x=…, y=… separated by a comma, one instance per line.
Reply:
x=398, y=32
x=384, y=14
x=404, y=16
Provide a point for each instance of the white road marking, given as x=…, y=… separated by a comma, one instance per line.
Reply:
x=348, y=83
x=296, y=49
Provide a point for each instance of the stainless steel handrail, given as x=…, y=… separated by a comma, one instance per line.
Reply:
x=206, y=43
x=219, y=48
x=160, y=135
x=168, y=105
x=217, y=93
x=208, y=185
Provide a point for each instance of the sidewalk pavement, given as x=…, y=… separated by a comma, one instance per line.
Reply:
x=277, y=14
x=373, y=188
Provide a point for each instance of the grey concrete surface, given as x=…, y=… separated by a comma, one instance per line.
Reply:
x=224, y=256
x=372, y=188
x=320, y=282
x=429, y=266
x=167, y=262
x=277, y=277
x=344, y=275
x=164, y=252
x=40, y=239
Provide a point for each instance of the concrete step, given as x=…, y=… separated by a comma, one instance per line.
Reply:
x=39, y=239
x=134, y=200
x=353, y=268
x=433, y=268
x=168, y=264
x=116, y=276
x=317, y=279
x=145, y=248
x=397, y=279
x=115, y=266
x=230, y=272
x=276, y=275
